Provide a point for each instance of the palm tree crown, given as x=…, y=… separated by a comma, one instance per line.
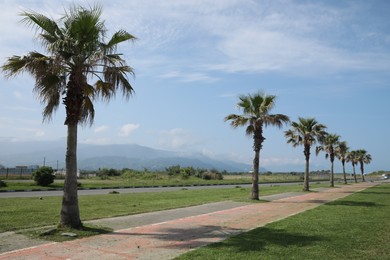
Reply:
x=329, y=145
x=306, y=132
x=256, y=115
x=76, y=52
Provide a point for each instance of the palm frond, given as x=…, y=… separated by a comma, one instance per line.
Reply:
x=118, y=37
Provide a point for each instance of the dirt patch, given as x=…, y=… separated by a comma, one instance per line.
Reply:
x=10, y=241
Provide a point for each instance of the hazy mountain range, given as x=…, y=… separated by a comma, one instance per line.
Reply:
x=107, y=156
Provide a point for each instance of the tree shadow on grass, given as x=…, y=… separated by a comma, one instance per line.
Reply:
x=183, y=237
x=354, y=203
x=258, y=239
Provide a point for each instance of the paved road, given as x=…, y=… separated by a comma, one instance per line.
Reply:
x=26, y=194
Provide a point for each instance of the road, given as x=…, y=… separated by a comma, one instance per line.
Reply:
x=26, y=194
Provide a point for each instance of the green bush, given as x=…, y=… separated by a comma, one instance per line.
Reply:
x=2, y=184
x=213, y=175
x=44, y=176
x=173, y=170
x=105, y=173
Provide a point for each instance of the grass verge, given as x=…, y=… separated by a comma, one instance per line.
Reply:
x=22, y=213
x=355, y=227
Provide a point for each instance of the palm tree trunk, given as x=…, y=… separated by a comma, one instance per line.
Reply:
x=255, y=176
x=354, y=172
x=331, y=175
x=344, y=175
x=306, y=178
x=70, y=216
x=362, y=170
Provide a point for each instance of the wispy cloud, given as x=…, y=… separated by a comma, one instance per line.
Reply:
x=197, y=38
x=127, y=129
x=189, y=77
x=97, y=141
x=100, y=129
x=177, y=138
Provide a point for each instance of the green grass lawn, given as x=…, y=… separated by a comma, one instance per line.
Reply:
x=147, y=180
x=20, y=213
x=355, y=227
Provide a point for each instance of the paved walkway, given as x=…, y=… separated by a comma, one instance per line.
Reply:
x=180, y=232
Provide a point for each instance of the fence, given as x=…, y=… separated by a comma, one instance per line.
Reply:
x=16, y=172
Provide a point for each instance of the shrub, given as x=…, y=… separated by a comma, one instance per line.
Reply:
x=44, y=176
x=213, y=175
x=108, y=172
x=173, y=170
x=2, y=184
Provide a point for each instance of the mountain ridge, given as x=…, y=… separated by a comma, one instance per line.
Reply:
x=117, y=156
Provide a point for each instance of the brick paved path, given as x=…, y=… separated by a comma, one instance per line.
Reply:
x=171, y=238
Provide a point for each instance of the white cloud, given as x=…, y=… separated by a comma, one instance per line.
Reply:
x=177, y=138
x=127, y=129
x=97, y=141
x=193, y=39
x=100, y=129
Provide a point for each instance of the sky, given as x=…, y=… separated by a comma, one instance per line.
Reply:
x=192, y=59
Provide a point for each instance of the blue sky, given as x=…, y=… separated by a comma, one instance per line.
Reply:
x=324, y=59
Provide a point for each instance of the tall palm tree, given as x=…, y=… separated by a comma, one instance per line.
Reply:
x=341, y=153
x=363, y=158
x=352, y=157
x=76, y=53
x=306, y=132
x=329, y=145
x=256, y=115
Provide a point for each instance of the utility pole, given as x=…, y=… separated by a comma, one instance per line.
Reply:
x=44, y=161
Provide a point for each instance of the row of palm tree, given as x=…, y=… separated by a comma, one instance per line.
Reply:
x=78, y=51
x=305, y=132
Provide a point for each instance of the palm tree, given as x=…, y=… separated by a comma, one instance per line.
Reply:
x=341, y=153
x=76, y=53
x=256, y=115
x=363, y=158
x=306, y=132
x=329, y=144
x=352, y=157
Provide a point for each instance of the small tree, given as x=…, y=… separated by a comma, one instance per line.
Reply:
x=44, y=176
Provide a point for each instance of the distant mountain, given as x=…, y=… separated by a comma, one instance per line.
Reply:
x=110, y=156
